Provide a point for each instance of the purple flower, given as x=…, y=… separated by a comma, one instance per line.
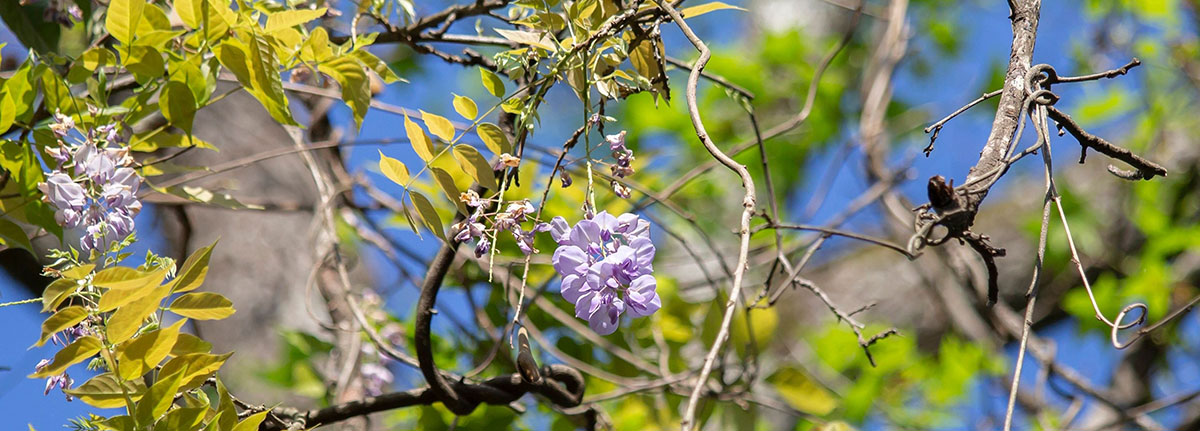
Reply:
x=482, y=248
x=97, y=164
x=376, y=378
x=616, y=142
x=566, y=178
x=606, y=264
x=468, y=229
x=63, y=381
x=66, y=196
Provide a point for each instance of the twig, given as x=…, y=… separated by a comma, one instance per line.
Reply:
x=739, y=270
x=937, y=127
x=1145, y=168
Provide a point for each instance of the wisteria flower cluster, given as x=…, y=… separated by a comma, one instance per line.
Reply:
x=92, y=185
x=516, y=213
x=607, y=265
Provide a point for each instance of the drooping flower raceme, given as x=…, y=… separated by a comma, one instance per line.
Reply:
x=607, y=265
x=92, y=186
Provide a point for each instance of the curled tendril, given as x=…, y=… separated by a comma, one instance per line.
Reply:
x=1117, y=326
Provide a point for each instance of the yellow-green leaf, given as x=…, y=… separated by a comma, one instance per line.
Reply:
x=114, y=298
x=142, y=354
x=78, y=272
x=393, y=169
x=420, y=141
x=8, y=112
x=697, y=10
x=127, y=319
x=158, y=398
x=195, y=367
x=464, y=106
x=540, y=40
x=78, y=351
x=374, y=63
x=106, y=392
x=352, y=78
x=251, y=423
x=145, y=62
x=492, y=82
x=178, y=105
x=292, y=18
x=494, y=138
x=57, y=292
x=187, y=343
x=184, y=418
x=446, y=183
x=120, y=277
x=194, y=269
x=203, y=306
x=439, y=126
x=476, y=166
x=122, y=19
x=799, y=390
x=428, y=215
x=190, y=12
x=61, y=320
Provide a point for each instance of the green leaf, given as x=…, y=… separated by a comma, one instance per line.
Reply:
x=105, y=391
x=697, y=10
x=12, y=234
x=393, y=169
x=57, y=292
x=428, y=215
x=120, y=277
x=494, y=138
x=178, y=105
x=203, y=306
x=492, y=82
x=374, y=63
x=61, y=320
x=446, y=182
x=127, y=319
x=160, y=397
x=122, y=19
x=27, y=22
x=167, y=140
x=195, y=367
x=78, y=351
x=291, y=18
x=188, y=343
x=142, y=354
x=22, y=87
x=188, y=73
x=194, y=269
x=439, y=126
x=145, y=62
x=476, y=166
x=8, y=112
x=316, y=48
x=465, y=107
x=356, y=88
x=420, y=141
x=253, y=63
